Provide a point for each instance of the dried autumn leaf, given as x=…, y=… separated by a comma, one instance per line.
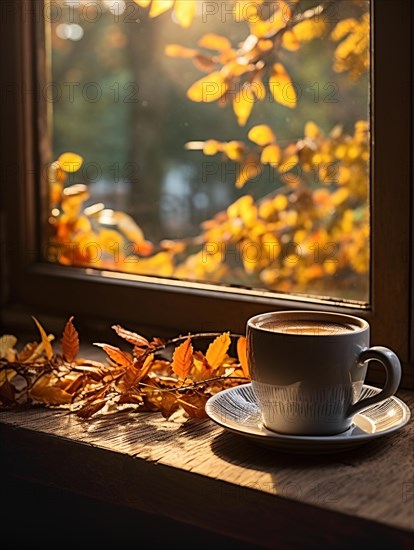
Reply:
x=208, y=89
x=146, y=367
x=7, y=342
x=70, y=341
x=184, y=12
x=194, y=404
x=271, y=154
x=70, y=162
x=131, y=337
x=213, y=41
x=167, y=403
x=45, y=390
x=242, y=355
x=116, y=355
x=262, y=135
x=45, y=339
x=27, y=352
x=183, y=359
x=217, y=350
x=91, y=408
x=7, y=393
x=281, y=86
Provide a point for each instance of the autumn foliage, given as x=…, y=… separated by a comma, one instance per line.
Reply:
x=145, y=378
x=310, y=235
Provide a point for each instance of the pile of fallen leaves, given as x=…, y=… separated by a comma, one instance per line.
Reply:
x=147, y=378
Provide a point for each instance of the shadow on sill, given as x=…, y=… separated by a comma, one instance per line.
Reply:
x=43, y=517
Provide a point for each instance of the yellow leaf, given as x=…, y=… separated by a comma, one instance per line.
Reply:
x=208, y=89
x=243, y=105
x=184, y=12
x=160, y=6
x=129, y=227
x=45, y=339
x=183, y=359
x=217, y=350
x=70, y=162
x=262, y=135
x=248, y=170
x=271, y=155
x=258, y=88
x=211, y=147
x=275, y=23
x=290, y=42
x=311, y=130
x=309, y=29
x=281, y=86
x=214, y=42
x=289, y=162
x=234, y=150
x=242, y=355
x=143, y=3
x=176, y=50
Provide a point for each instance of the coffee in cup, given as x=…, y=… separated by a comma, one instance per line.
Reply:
x=308, y=369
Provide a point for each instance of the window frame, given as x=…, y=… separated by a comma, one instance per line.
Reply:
x=33, y=286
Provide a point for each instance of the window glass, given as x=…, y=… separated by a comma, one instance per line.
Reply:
x=222, y=142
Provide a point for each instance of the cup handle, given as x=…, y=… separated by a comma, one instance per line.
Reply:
x=392, y=367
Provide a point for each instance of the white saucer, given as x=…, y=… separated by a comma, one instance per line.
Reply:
x=237, y=410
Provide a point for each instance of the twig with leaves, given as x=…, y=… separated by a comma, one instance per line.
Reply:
x=143, y=379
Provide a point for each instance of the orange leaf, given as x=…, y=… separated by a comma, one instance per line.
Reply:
x=131, y=337
x=70, y=342
x=45, y=339
x=146, y=367
x=183, y=359
x=217, y=350
x=117, y=356
x=242, y=355
x=281, y=86
x=45, y=390
x=212, y=41
x=208, y=89
x=184, y=12
x=262, y=135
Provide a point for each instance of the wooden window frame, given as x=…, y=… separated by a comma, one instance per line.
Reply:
x=30, y=285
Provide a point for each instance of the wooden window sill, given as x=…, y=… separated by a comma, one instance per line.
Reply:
x=199, y=474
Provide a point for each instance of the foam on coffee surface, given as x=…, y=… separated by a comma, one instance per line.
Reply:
x=309, y=328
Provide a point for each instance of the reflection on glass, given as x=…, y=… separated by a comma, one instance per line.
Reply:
x=218, y=142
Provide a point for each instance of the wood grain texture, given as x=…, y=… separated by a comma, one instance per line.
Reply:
x=200, y=474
